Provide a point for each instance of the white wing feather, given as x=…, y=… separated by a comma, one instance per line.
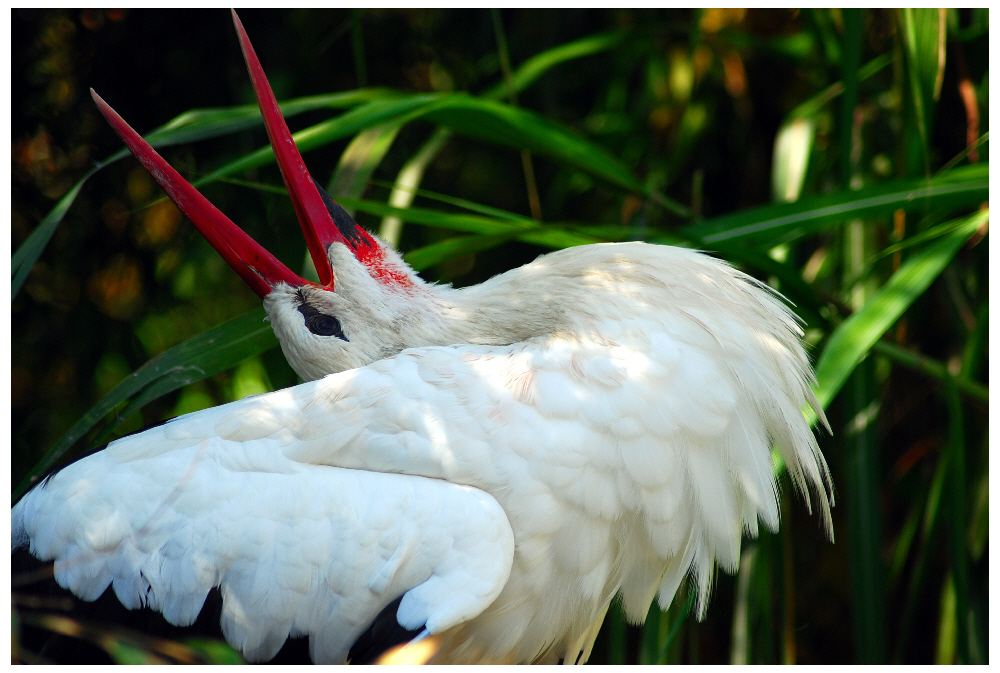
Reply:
x=297, y=549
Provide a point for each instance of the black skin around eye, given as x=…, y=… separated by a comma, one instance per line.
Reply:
x=324, y=325
x=321, y=324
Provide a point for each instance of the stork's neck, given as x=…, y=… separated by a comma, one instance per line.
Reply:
x=503, y=310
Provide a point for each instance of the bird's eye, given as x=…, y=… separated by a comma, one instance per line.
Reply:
x=324, y=325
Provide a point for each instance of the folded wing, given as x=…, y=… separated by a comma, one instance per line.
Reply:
x=296, y=549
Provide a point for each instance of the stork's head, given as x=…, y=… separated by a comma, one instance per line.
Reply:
x=322, y=328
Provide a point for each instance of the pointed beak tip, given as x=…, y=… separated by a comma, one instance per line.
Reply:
x=97, y=99
x=258, y=268
x=240, y=30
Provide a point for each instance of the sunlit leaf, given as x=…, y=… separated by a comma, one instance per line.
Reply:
x=959, y=188
x=853, y=338
x=397, y=110
x=526, y=230
x=477, y=118
x=201, y=124
x=407, y=181
x=359, y=161
x=924, y=41
x=792, y=147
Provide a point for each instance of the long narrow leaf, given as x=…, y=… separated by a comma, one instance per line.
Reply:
x=407, y=180
x=958, y=505
x=521, y=129
x=200, y=357
x=204, y=123
x=526, y=230
x=960, y=188
x=24, y=259
x=853, y=338
x=536, y=66
x=360, y=159
x=412, y=173
x=814, y=105
x=392, y=111
x=474, y=117
x=465, y=204
x=923, y=33
x=429, y=255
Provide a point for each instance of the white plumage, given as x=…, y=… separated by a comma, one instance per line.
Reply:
x=624, y=452
x=298, y=549
x=508, y=457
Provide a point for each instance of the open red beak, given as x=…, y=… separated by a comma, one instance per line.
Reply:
x=259, y=268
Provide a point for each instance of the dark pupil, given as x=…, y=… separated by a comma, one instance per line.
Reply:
x=324, y=325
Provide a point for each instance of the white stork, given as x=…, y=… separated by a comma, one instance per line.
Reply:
x=507, y=458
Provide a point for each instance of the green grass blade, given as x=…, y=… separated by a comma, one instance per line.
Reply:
x=675, y=627
x=504, y=125
x=924, y=236
x=864, y=520
x=960, y=188
x=853, y=338
x=947, y=635
x=933, y=368
x=128, y=646
x=213, y=651
x=24, y=259
x=526, y=230
x=204, y=123
x=518, y=128
x=929, y=527
x=862, y=448
x=200, y=357
x=923, y=33
x=792, y=149
x=531, y=70
x=904, y=544
x=477, y=118
x=474, y=224
x=957, y=527
x=615, y=623
x=388, y=111
x=465, y=204
x=429, y=255
x=815, y=105
x=376, y=105
x=355, y=169
x=409, y=177
x=739, y=647
x=788, y=645
x=358, y=162
x=977, y=496
x=650, y=645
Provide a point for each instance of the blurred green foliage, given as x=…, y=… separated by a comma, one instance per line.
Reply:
x=840, y=155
